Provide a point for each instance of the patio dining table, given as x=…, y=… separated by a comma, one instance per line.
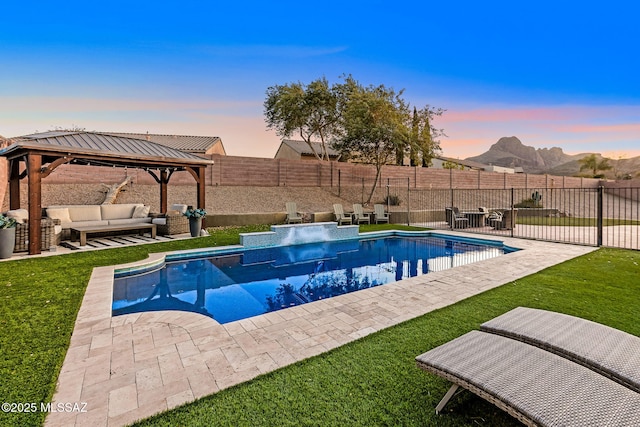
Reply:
x=476, y=219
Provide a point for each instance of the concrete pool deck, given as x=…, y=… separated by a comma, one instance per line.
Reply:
x=130, y=367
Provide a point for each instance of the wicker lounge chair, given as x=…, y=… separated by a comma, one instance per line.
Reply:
x=608, y=351
x=358, y=214
x=292, y=213
x=48, y=235
x=172, y=222
x=381, y=215
x=537, y=387
x=341, y=217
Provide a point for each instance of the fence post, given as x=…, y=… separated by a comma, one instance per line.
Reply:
x=513, y=214
x=388, y=184
x=362, y=192
x=451, y=226
x=408, y=201
x=339, y=182
x=600, y=214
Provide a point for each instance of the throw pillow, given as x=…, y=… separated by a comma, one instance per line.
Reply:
x=20, y=215
x=141, y=211
x=59, y=213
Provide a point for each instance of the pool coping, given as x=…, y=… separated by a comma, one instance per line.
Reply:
x=130, y=367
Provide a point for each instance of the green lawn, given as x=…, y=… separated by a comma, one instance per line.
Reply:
x=372, y=381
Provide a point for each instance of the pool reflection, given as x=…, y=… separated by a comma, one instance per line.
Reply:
x=244, y=284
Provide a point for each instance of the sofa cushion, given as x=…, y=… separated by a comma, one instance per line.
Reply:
x=159, y=221
x=141, y=211
x=20, y=215
x=129, y=221
x=121, y=211
x=85, y=213
x=59, y=213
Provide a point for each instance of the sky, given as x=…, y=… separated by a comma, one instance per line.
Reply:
x=554, y=74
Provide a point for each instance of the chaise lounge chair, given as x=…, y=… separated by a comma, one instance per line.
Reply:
x=608, y=351
x=341, y=217
x=293, y=215
x=381, y=215
x=535, y=384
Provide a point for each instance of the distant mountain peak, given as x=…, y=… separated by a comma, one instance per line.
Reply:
x=509, y=151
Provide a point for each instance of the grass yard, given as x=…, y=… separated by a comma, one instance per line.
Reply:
x=373, y=381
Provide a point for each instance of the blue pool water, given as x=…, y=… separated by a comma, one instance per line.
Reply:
x=245, y=283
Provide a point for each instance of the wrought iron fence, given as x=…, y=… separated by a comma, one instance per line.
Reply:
x=589, y=216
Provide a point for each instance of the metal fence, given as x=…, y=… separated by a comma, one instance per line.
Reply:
x=588, y=216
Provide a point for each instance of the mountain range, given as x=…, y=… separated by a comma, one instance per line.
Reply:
x=511, y=152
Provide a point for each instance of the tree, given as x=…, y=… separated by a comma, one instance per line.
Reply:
x=423, y=144
x=373, y=125
x=427, y=145
x=452, y=165
x=591, y=163
x=310, y=110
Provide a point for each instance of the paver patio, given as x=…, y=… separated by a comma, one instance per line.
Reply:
x=130, y=367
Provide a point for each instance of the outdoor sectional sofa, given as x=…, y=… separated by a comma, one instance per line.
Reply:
x=71, y=216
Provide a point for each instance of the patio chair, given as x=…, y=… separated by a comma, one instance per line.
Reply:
x=537, y=387
x=507, y=220
x=380, y=214
x=293, y=215
x=341, y=217
x=358, y=214
x=455, y=219
x=171, y=222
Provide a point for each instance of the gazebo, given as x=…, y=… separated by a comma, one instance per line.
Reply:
x=35, y=156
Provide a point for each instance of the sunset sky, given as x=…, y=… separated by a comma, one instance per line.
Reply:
x=555, y=73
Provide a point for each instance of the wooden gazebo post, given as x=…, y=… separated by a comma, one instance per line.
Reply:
x=34, y=180
x=201, y=187
x=164, y=181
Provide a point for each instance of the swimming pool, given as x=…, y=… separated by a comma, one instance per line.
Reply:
x=241, y=283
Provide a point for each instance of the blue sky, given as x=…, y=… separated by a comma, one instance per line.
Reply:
x=551, y=73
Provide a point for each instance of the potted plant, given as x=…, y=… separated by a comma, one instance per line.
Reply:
x=195, y=220
x=7, y=236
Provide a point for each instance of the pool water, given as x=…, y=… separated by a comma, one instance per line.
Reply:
x=245, y=283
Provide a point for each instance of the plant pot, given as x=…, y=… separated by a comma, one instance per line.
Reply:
x=7, y=242
x=195, y=225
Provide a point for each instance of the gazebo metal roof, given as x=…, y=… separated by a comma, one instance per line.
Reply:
x=102, y=148
x=42, y=153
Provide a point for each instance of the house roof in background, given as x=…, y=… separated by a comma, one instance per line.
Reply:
x=109, y=148
x=468, y=163
x=303, y=148
x=190, y=143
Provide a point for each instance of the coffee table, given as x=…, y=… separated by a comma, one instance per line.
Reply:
x=82, y=232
